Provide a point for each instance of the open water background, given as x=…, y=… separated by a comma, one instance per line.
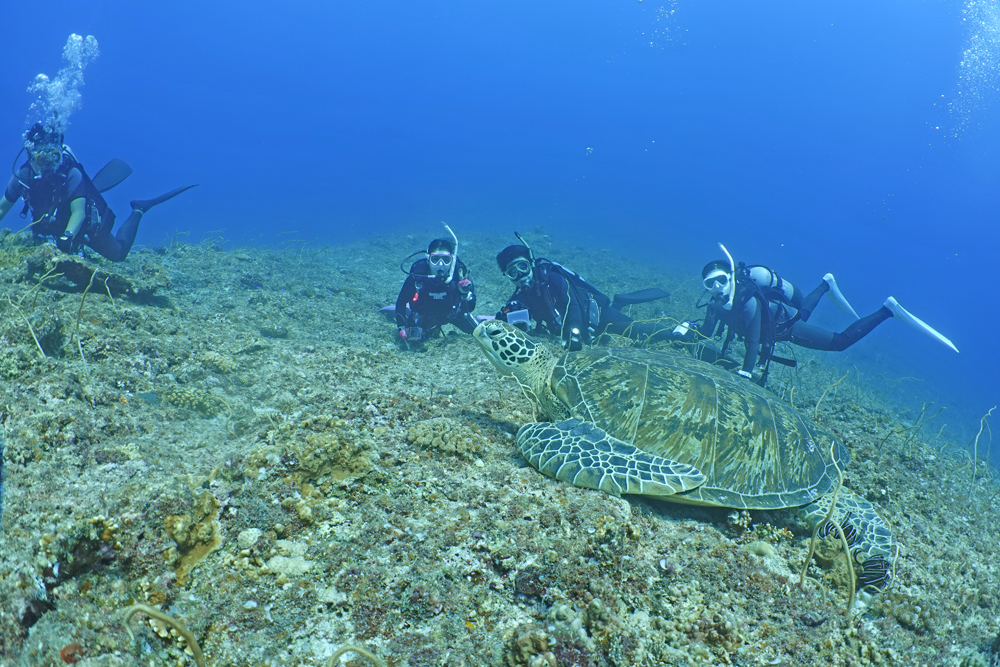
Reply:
x=850, y=137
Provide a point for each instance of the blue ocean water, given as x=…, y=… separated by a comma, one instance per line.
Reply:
x=850, y=137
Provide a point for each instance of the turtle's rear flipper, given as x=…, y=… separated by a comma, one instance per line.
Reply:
x=867, y=535
x=582, y=454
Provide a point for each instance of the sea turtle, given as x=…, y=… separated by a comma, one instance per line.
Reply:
x=665, y=425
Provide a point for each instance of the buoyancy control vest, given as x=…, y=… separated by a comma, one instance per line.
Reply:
x=584, y=301
x=44, y=197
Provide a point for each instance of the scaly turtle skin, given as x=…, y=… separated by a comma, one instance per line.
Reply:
x=653, y=423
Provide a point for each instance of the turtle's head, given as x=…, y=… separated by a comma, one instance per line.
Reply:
x=512, y=352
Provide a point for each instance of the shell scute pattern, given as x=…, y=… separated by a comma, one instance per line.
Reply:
x=755, y=451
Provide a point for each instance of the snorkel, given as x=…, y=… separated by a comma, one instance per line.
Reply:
x=454, y=261
x=730, y=291
x=531, y=255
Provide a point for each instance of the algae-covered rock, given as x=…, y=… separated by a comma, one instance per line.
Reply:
x=195, y=399
x=140, y=282
x=196, y=534
x=447, y=435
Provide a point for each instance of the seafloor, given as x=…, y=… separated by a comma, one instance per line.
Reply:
x=232, y=436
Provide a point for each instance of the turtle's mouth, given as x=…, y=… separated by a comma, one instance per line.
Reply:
x=487, y=337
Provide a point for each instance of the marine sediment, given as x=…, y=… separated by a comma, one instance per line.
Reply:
x=232, y=438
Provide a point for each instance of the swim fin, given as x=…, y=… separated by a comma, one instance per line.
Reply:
x=838, y=297
x=111, y=175
x=904, y=315
x=640, y=296
x=144, y=205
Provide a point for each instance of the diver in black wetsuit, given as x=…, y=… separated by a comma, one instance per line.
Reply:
x=761, y=308
x=437, y=291
x=566, y=306
x=66, y=204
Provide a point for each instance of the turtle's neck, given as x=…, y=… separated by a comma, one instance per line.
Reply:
x=539, y=376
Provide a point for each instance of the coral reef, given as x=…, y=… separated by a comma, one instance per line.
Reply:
x=231, y=439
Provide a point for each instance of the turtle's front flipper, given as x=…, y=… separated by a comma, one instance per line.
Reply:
x=582, y=454
x=867, y=534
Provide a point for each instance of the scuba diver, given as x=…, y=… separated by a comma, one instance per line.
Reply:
x=437, y=291
x=66, y=204
x=564, y=305
x=754, y=303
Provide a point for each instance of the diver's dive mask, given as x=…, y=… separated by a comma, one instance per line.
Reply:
x=518, y=269
x=45, y=158
x=716, y=281
x=440, y=263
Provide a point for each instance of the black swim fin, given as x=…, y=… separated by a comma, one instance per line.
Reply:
x=111, y=175
x=640, y=296
x=144, y=205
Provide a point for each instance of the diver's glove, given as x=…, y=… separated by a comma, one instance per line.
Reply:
x=465, y=289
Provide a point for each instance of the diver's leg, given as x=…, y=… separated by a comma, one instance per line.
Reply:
x=126, y=234
x=613, y=321
x=616, y=322
x=115, y=248
x=807, y=303
x=464, y=321
x=815, y=338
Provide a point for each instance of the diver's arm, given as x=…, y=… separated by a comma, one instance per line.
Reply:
x=466, y=288
x=77, y=212
x=5, y=205
x=467, y=294
x=751, y=319
x=707, y=328
x=406, y=293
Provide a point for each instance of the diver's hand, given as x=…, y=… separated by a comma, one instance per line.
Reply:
x=573, y=344
x=465, y=288
x=65, y=243
x=684, y=331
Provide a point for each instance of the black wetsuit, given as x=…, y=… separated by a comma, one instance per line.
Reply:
x=560, y=301
x=49, y=197
x=763, y=315
x=427, y=303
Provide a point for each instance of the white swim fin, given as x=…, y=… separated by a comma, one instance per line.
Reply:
x=904, y=315
x=838, y=297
